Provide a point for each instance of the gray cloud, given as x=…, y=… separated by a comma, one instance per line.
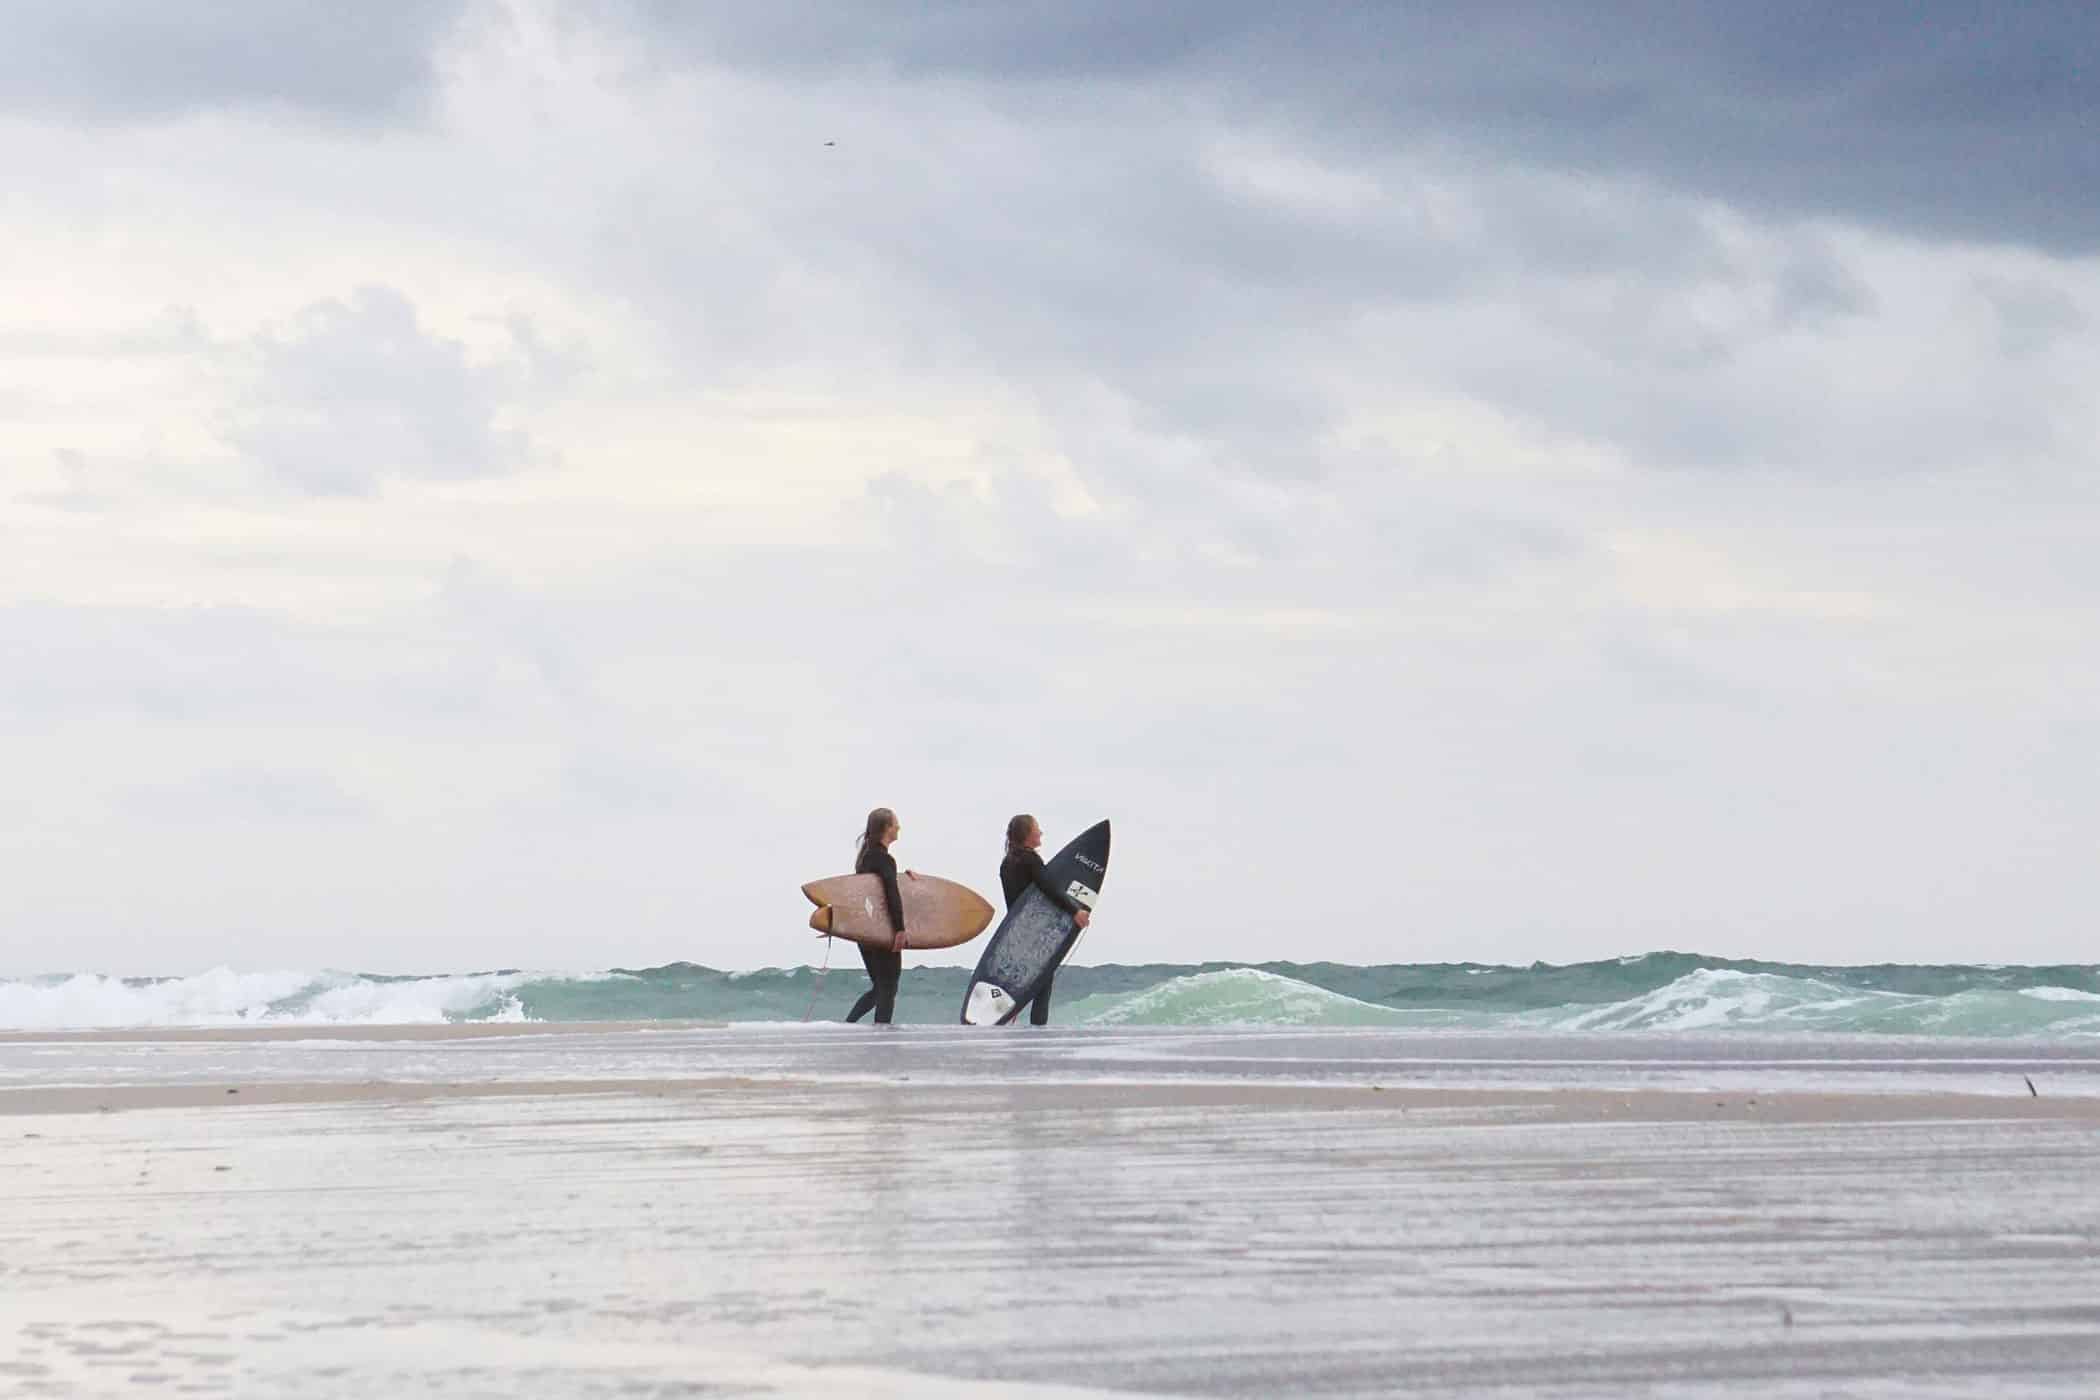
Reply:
x=80, y=490
x=2033, y=316
x=115, y=60
x=357, y=391
x=1952, y=118
x=1187, y=294
x=172, y=666
x=176, y=331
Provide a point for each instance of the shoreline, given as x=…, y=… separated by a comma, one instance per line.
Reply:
x=1563, y=1105
x=327, y=1030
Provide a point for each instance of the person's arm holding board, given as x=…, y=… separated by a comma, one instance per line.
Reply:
x=884, y=864
x=1040, y=878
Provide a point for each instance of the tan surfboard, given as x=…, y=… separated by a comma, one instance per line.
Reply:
x=937, y=913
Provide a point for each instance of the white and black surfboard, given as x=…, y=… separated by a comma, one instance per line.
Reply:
x=1036, y=933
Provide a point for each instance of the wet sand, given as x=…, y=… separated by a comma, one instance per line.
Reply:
x=1003, y=1231
x=720, y=1094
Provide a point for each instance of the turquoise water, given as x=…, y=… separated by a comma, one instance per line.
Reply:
x=1663, y=991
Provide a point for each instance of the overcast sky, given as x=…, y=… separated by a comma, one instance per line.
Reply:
x=490, y=484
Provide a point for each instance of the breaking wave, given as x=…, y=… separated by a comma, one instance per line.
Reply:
x=223, y=997
x=1719, y=999
x=1658, y=993
x=1234, y=996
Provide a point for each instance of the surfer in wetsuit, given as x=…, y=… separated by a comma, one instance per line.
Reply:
x=1022, y=868
x=885, y=965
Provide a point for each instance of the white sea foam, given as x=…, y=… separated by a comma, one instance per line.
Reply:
x=2059, y=994
x=218, y=997
x=1711, y=998
x=1235, y=996
x=424, y=1000
x=223, y=997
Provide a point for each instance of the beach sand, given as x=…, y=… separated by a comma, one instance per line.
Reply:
x=514, y=1231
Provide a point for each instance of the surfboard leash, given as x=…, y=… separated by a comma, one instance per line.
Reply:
x=818, y=985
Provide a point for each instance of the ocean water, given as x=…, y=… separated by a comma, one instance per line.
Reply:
x=1663, y=992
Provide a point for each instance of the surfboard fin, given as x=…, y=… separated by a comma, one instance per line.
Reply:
x=821, y=921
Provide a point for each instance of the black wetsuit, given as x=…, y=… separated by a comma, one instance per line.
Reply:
x=1022, y=868
x=885, y=965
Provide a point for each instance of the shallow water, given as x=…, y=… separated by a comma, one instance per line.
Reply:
x=1733, y=1062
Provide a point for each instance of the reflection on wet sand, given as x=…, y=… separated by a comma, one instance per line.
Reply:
x=586, y=1233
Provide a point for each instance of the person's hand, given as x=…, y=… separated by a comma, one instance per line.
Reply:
x=897, y=943
x=1083, y=918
